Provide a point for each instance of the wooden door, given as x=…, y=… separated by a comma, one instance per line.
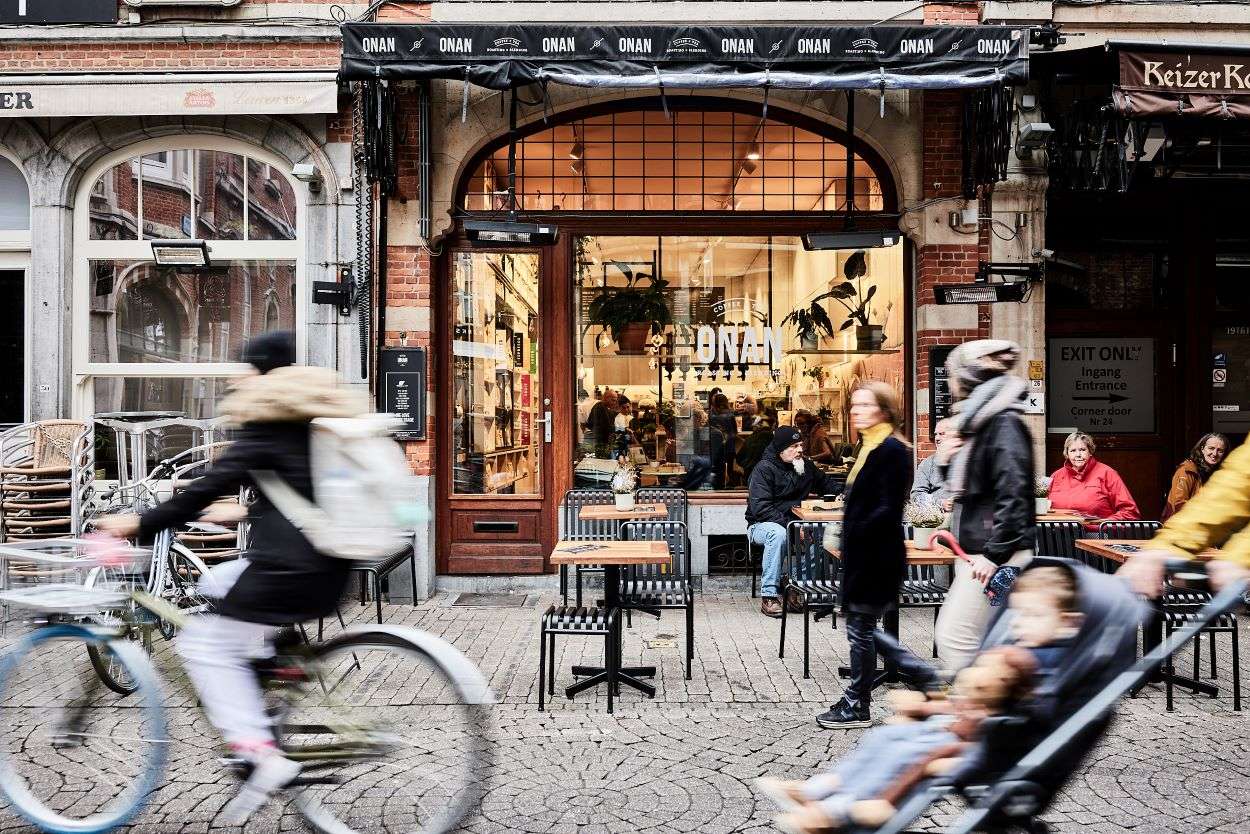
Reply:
x=503, y=393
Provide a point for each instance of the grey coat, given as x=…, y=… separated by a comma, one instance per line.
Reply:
x=929, y=484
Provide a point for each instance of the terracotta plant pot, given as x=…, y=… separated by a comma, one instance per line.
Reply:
x=634, y=337
x=624, y=500
x=871, y=337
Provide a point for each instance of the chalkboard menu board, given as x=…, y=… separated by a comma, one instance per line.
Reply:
x=402, y=392
x=940, y=397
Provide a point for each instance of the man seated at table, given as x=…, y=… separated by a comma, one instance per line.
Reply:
x=928, y=487
x=779, y=483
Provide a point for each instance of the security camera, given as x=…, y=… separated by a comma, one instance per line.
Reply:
x=1032, y=136
x=1044, y=254
x=308, y=173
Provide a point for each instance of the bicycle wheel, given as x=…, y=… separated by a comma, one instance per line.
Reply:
x=110, y=668
x=185, y=571
x=74, y=759
x=391, y=727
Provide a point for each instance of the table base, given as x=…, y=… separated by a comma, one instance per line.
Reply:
x=627, y=675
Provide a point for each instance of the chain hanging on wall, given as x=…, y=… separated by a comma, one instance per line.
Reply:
x=987, y=119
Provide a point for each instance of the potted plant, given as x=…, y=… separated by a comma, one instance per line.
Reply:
x=868, y=336
x=630, y=313
x=810, y=323
x=624, y=479
x=925, y=518
x=1042, y=491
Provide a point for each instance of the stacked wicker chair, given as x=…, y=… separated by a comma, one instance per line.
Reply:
x=36, y=480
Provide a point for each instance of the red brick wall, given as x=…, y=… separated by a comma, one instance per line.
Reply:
x=952, y=11
x=30, y=57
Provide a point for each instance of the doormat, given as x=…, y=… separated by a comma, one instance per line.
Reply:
x=490, y=600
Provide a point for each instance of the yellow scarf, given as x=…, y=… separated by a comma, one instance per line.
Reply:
x=872, y=438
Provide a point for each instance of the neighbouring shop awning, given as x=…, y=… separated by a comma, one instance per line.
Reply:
x=173, y=94
x=801, y=57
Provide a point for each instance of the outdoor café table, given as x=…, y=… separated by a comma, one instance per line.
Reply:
x=889, y=621
x=1118, y=551
x=817, y=513
x=609, y=512
x=611, y=556
x=1061, y=515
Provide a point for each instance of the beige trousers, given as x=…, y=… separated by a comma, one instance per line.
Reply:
x=961, y=622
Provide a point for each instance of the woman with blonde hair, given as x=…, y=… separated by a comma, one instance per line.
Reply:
x=874, y=556
x=1089, y=486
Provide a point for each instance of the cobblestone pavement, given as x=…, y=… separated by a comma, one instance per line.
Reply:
x=685, y=761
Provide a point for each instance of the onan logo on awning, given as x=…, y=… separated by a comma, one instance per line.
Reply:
x=916, y=46
x=461, y=45
x=994, y=46
x=377, y=44
x=814, y=46
x=737, y=46
x=634, y=45
x=551, y=45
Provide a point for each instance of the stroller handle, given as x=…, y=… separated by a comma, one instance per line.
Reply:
x=948, y=539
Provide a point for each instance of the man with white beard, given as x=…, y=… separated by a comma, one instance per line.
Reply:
x=779, y=483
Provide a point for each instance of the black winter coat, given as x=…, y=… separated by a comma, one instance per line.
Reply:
x=996, y=513
x=775, y=488
x=286, y=580
x=874, y=555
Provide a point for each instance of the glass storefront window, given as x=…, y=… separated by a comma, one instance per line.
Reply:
x=496, y=436
x=141, y=312
x=691, y=333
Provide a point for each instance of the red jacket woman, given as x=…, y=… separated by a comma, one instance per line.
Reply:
x=1088, y=486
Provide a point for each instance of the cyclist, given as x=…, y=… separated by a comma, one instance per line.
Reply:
x=1218, y=516
x=280, y=579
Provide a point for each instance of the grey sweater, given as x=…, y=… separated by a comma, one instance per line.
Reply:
x=929, y=485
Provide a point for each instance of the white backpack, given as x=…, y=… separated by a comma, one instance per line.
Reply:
x=366, y=495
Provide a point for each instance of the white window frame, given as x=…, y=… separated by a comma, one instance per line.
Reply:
x=86, y=250
x=15, y=256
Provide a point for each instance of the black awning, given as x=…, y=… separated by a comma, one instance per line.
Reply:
x=800, y=57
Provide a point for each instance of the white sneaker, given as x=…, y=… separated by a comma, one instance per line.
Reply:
x=271, y=773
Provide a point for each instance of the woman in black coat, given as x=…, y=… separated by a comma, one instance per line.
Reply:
x=280, y=579
x=874, y=554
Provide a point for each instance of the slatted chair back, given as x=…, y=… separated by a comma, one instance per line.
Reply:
x=1057, y=539
x=674, y=498
x=807, y=559
x=674, y=534
x=1128, y=529
x=578, y=530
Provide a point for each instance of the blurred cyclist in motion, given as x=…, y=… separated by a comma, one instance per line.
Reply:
x=281, y=578
x=1218, y=516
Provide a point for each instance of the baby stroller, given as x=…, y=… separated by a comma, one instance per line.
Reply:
x=1022, y=760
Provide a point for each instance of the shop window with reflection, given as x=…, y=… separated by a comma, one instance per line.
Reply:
x=691, y=350
x=496, y=435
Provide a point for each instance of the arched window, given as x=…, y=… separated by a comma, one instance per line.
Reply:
x=705, y=160
x=152, y=337
x=14, y=199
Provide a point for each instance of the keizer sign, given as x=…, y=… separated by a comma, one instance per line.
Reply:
x=1103, y=385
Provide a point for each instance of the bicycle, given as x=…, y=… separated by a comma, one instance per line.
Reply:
x=76, y=759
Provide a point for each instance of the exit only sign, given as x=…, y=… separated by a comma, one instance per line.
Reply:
x=58, y=11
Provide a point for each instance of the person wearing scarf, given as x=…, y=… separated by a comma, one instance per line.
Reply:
x=990, y=479
x=1204, y=459
x=874, y=555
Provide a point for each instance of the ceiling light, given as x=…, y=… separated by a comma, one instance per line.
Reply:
x=867, y=239
x=186, y=253
x=748, y=164
x=576, y=151
x=754, y=153
x=577, y=166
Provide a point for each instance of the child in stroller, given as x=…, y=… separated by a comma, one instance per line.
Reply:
x=932, y=736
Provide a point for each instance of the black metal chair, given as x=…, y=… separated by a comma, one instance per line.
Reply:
x=675, y=499
x=812, y=572
x=581, y=622
x=1058, y=539
x=655, y=588
x=755, y=564
x=577, y=530
x=1179, y=608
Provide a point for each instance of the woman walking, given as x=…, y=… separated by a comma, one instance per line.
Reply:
x=874, y=557
x=991, y=482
